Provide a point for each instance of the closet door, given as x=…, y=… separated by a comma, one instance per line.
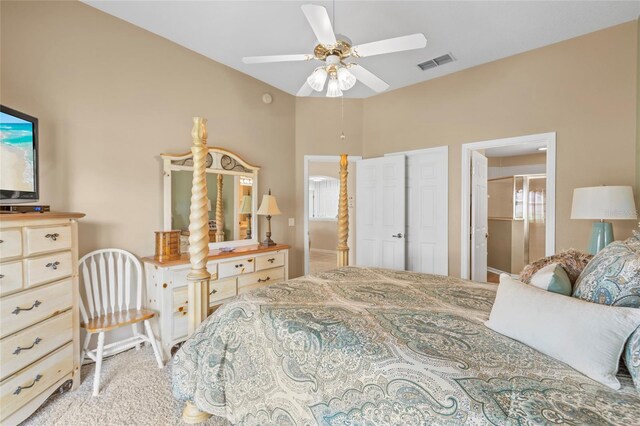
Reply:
x=479, y=217
x=427, y=222
x=380, y=212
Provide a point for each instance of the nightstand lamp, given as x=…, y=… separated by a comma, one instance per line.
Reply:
x=601, y=203
x=245, y=208
x=268, y=208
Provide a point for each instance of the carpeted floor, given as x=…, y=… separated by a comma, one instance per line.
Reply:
x=134, y=391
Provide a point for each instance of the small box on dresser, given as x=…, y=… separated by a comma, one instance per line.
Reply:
x=234, y=273
x=39, y=317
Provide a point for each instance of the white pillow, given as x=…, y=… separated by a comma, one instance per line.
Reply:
x=552, y=278
x=587, y=336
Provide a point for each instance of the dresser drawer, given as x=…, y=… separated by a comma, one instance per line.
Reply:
x=23, y=348
x=19, y=389
x=235, y=267
x=46, y=239
x=23, y=309
x=180, y=326
x=220, y=290
x=259, y=279
x=269, y=261
x=179, y=276
x=10, y=243
x=10, y=277
x=42, y=269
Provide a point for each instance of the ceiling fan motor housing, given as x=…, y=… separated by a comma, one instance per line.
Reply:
x=342, y=49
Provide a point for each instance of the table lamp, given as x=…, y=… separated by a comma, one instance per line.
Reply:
x=600, y=203
x=245, y=208
x=268, y=208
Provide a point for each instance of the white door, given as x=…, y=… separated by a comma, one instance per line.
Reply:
x=427, y=209
x=479, y=217
x=380, y=212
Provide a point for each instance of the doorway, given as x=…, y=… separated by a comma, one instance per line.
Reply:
x=508, y=205
x=321, y=189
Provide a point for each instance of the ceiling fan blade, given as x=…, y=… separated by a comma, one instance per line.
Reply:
x=390, y=45
x=276, y=58
x=320, y=23
x=305, y=90
x=368, y=78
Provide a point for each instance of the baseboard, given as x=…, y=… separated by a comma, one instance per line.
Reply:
x=498, y=272
x=323, y=251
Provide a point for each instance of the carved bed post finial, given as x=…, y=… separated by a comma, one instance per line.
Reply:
x=219, y=213
x=198, y=277
x=343, y=214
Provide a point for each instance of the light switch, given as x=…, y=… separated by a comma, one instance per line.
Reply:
x=292, y=222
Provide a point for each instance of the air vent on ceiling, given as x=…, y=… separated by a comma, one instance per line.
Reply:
x=436, y=62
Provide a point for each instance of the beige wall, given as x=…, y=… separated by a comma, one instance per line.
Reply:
x=111, y=97
x=318, y=128
x=584, y=89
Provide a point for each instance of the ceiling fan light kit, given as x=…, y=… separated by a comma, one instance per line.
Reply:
x=333, y=52
x=317, y=79
x=333, y=88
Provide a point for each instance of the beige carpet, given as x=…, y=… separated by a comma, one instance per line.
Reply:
x=134, y=391
x=320, y=261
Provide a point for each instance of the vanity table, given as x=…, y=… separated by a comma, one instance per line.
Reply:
x=231, y=182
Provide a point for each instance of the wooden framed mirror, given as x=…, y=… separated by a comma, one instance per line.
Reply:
x=232, y=188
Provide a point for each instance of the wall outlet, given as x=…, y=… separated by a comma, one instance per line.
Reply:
x=292, y=222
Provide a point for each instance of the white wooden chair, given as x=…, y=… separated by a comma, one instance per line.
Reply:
x=112, y=281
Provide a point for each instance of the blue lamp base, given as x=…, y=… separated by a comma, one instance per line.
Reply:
x=601, y=236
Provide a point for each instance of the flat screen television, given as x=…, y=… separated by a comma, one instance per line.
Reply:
x=18, y=157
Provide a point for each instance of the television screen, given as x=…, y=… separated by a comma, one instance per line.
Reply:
x=18, y=156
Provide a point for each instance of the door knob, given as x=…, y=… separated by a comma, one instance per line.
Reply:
x=398, y=235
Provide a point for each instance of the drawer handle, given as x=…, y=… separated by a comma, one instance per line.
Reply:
x=53, y=265
x=260, y=280
x=1, y=241
x=1, y=276
x=249, y=260
x=21, y=388
x=35, y=342
x=239, y=266
x=214, y=291
x=17, y=310
x=271, y=260
x=53, y=237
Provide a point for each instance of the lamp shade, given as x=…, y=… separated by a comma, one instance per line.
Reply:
x=603, y=202
x=245, y=207
x=269, y=207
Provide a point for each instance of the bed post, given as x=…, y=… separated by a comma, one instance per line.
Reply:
x=343, y=214
x=219, y=212
x=198, y=229
x=198, y=277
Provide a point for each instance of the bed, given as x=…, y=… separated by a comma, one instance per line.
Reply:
x=370, y=346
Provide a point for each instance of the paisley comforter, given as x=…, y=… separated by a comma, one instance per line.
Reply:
x=363, y=346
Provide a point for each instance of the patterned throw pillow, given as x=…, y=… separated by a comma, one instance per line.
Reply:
x=613, y=278
x=552, y=278
x=632, y=357
x=632, y=350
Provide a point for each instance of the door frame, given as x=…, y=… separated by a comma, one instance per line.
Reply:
x=305, y=182
x=465, y=212
x=445, y=150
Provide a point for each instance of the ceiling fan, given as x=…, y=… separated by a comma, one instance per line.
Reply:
x=334, y=50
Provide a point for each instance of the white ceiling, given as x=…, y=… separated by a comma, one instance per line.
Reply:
x=475, y=32
x=513, y=150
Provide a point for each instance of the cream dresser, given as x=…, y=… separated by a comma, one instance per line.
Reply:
x=234, y=273
x=39, y=322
